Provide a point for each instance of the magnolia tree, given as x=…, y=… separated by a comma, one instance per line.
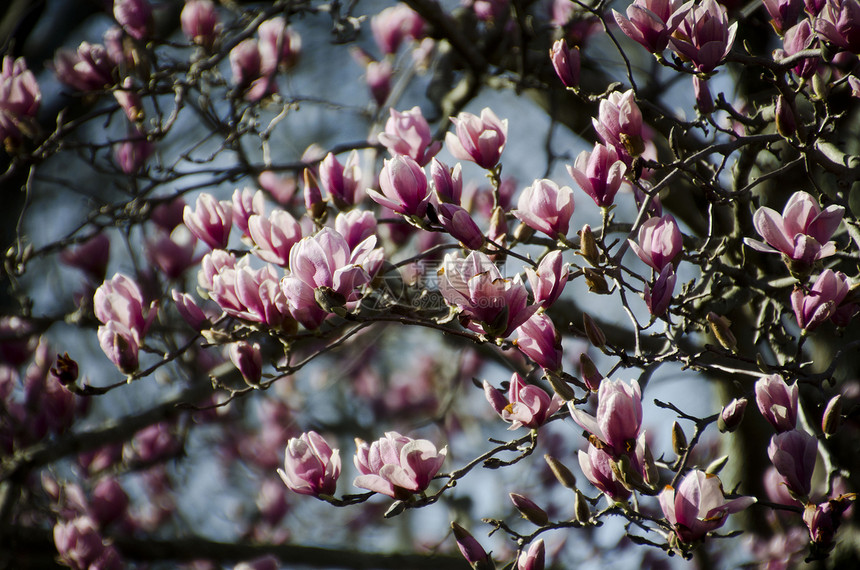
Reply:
x=272, y=294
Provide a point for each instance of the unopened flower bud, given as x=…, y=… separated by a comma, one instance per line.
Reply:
x=832, y=417
x=595, y=281
x=471, y=549
x=529, y=509
x=720, y=327
x=717, y=465
x=590, y=374
x=523, y=233
x=679, y=440
x=65, y=370
x=588, y=246
x=248, y=359
x=560, y=387
x=561, y=472
x=786, y=124
x=581, y=508
x=731, y=416
x=593, y=332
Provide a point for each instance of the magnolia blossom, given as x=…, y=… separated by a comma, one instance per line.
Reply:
x=279, y=45
x=702, y=34
x=404, y=187
x=619, y=415
x=538, y=339
x=813, y=308
x=274, y=235
x=247, y=202
x=355, y=226
x=199, y=21
x=797, y=38
x=325, y=263
x=478, y=139
x=549, y=278
x=460, y=225
x=210, y=220
x=80, y=545
x=658, y=296
x=311, y=467
x=397, y=465
x=246, y=357
x=619, y=124
x=545, y=207
x=534, y=558
x=801, y=233
x=566, y=63
x=839, y=23
x=596, y=465
x=525, y=404
x=777, y=402
x=659, y=242
x=135, y=17
x=408, y=133
x=172, y=253
x=793, y=454
x=20, y=98
x=698, y=506
x=599, y=174
x=784, y=13
x=447, y=183
x=490, y=303
x=393, y=25
x=120, y=300
x=88, y=69
x=470, y=548
x=341, y=181
x=646, y=23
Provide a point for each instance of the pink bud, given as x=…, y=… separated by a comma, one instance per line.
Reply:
x=478, y=139
x=408, y=134
x=199, y=21
x=119, y=345
x=210, y=220
x=538, y=339
x=534, y=559
x=599, y=173
x=732, y=415
x=812, y=309
x=529, y=509
x=393, y=25
x=272, y=502
x=247, y=359
x=525, y=405
x=545, y=207
x=471, y=549
x=172, y=253
x=659, y=240
x=404, y=187
x=168, y=214
x=280, y=45
x=548, y=280
x=20, y=98
x=132, y=154
x=109, y=501
x=91, y=257
x=282, y=189
x=658, y=296
x=448, y=184
x=565, y=62
x=646, y=23
x=793, y=454
x=80, y=545
x=704, y=99
x=341, y=182
x=189, y=310
x=460, y=225
x=777, y=402
x=135, y=17
x=378, y=76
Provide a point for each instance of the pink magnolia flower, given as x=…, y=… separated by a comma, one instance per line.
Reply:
x=525, y=404
x=447, y=183
x=210, y=220
x=619, y=415
x=396, y=465
x=355, y=226
x=784, y=13
x=172, y=252
x=801, y=233
x=199, y=21
x=659, y=240
x=538, y=339
x=619, y=124
x=90, y=68
x=702, y=34
x=395, y=24
x=248, y=360
x=20, y=97
x=91, y=257
x=545, y=207
x=534, y=558
x=274, y=235
x=490, y=304
x=704, y=97
x=108, y=502
x=460, y=225
x=135, y=17
x=732, y=415
x=599, y=174
x=647, y=23
x=797, y=38
x=326, y=261
x=80, y=545
x=471, y=549
x=777, y=402
x=189, y=310
x=404, y=187
x=479, y=139
x=246, y=203
x=131, y=154
x=378, y=77
x=839, y=23
x=311, y=467
x=120, y=345
x=596, y=465
x=566, y=63
x=793, y=454
x=824, y=519
x=658, y=296
x=259, y=296
x=120, y=300
x=698, y=506
x=341, y=181
x=548, y=279
x=812, y=309
x=168, y=213
x=246, y=65
x=408, y=134
x=280, y=45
